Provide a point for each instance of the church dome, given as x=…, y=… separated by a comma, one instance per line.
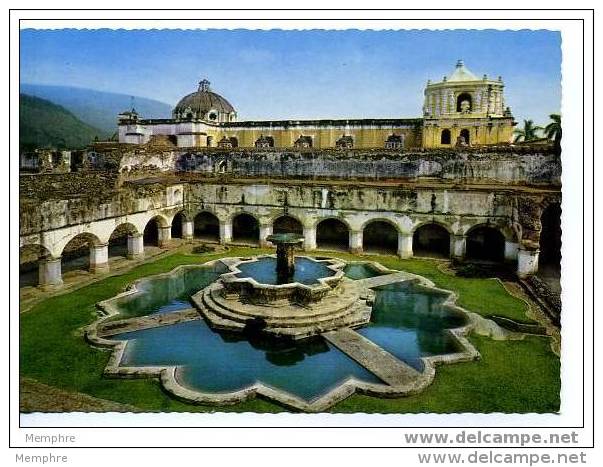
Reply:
x=204, y=105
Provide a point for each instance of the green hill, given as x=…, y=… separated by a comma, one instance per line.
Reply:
x=44, y=124
x=97, y=108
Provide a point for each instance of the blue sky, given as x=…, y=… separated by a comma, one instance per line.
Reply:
x=280, y=74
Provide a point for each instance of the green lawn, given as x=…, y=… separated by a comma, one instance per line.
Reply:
x=513, y=376
x=484, y=296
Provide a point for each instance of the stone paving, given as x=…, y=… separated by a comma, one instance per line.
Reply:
x=379, y=362
x=111, y=328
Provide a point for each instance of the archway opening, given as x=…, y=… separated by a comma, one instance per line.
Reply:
x=464, y=102
x=332, y=234
x=29, y=263
x=76, y=254
x=118, y=241
x=465, y=136
x=445, y=136
x=486, y=244
x=207, y=227
x=287, y=224
x=431, y=240
x=177, y=223
x=151, y=233
x=380, y=237
x=549, y=260
x=245, y=229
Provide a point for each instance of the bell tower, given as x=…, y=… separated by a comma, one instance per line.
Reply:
x=464, y=110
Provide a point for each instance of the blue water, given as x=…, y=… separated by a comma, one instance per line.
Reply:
x=263, y=271
x=361, y=271
x=167, y=294
x=411, y=323
x=215, y=362
x=407, y=321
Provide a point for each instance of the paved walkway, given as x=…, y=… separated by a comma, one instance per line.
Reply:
x=379, y=362
x=384, y=280
x=111, y=328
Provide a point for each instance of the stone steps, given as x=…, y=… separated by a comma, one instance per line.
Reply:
x=221, y=316
x=288, y=312
x=236, y=311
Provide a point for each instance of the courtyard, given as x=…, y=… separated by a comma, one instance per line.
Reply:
x=57, y=360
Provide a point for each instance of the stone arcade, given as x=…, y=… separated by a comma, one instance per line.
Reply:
x=446, y=185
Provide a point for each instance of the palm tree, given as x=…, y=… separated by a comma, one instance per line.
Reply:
x=528, y=132
x=553, y=130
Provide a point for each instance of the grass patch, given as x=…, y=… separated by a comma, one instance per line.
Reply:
x=485, y=296
x=53, y=351
x=496, y=383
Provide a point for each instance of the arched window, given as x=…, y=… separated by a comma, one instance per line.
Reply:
x=394, y=141
x=445, y=137
x=464, y=103
x=465, y=136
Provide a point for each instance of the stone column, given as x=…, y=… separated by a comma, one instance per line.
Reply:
x=164, y=236
x=511, y=251
x=188, y=228
x=135, y=246
x=225, y=232
x=99, y=258
x=265, y=230
x=49, y=273
x=458, y=244
x=405, y=245
x=355, y=241
x=527, y=262
x=309, y=238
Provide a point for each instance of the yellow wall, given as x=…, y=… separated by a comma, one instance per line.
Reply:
x=501, y=131
x=326, y=137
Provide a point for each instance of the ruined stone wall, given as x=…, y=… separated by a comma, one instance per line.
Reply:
x=51, y=202
x=418, y=200
x=97, y=184
x=462, y=167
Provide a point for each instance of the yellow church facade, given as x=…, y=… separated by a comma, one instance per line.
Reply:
x=460, y=110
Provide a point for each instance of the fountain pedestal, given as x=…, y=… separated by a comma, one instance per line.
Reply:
x=285, y=255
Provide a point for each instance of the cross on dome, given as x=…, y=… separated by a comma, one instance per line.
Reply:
x=204, y=85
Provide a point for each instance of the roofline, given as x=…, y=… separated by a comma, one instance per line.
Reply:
x=290, y=123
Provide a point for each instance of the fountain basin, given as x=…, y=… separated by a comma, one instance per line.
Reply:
x=321, y=299
x=255, y=280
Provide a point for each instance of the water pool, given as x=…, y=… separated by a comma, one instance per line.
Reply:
x=410, y=322
x=263, y=270
x=357, y=271
x=216, y=362
x=163, y=294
